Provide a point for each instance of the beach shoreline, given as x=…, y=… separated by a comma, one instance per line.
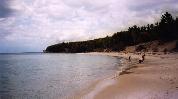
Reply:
x=153, y=79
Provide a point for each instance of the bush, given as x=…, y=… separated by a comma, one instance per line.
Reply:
x=176, y=48
x=140, y=48
x=155, y=50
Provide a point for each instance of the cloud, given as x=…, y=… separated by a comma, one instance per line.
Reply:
x=36, y=24
x=5, y=9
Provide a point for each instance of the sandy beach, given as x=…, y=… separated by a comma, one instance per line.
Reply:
x=155, y=78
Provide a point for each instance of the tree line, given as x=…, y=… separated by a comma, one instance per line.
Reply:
x=164, y=30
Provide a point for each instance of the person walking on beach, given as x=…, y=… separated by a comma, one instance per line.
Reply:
x=129, y=58
x=143, y=57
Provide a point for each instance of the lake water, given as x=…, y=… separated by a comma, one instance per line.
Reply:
x=51, y=76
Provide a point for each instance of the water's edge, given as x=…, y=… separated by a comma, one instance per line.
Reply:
x=98, y=85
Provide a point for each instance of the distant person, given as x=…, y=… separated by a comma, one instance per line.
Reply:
x=143, y=57
x=129, y=58
x=165, y=51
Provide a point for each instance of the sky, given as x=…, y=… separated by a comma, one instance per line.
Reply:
x=32, y=25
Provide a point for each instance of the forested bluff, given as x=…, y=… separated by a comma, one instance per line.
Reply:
x=165, y=30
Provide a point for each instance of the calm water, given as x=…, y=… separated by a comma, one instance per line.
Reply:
x=51, y=76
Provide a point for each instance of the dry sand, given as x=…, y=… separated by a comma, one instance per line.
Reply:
x=156, y=78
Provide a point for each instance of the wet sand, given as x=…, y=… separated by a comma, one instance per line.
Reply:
x=155, y=78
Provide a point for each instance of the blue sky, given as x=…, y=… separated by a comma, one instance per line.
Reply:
x=32, y=25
